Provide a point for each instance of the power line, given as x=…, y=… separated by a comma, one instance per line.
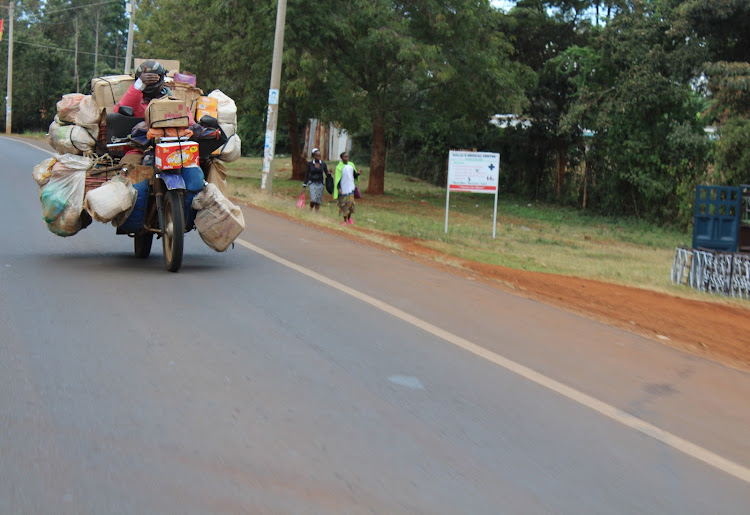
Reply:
x=58, y=48
x=45, y=13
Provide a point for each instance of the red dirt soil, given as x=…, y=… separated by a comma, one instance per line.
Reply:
x=716, y=331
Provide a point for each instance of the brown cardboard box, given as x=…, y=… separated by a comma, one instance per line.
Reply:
x=167, y=112
x=107, y=91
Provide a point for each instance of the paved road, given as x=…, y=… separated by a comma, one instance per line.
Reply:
x=301, y=372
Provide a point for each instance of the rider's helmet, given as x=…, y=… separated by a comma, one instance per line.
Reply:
x=152, y=90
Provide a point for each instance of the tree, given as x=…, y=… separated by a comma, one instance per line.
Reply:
x=390, y=62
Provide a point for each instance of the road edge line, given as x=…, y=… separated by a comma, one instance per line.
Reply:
x=686, y=447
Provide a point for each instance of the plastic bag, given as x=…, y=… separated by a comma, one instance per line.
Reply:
x=62, y=202
x=113, y=200
x=68, y=106
x=43, y=171
x=301, y=202
x=71, y=139
x=88, y=115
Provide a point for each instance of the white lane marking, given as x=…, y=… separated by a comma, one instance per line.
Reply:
x=616, y=414
x=30, y=144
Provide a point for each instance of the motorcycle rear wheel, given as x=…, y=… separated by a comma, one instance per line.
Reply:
x=142, y=244
x=174, y=230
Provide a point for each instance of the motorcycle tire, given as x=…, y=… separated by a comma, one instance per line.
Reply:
x=174, y=230
x=142, y=244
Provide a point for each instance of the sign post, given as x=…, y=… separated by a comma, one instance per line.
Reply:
x=475, y=172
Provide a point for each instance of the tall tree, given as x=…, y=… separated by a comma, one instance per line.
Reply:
x=391, y=61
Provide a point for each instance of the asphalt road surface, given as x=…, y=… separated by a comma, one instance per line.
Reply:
x=302, y=372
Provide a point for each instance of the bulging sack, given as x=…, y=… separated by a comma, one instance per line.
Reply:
x=68, y=106
x=89, y=115
x=62, y=202
x=226, y=107
x=218, y=221
x=230, y=151
x=114, y=200
x=71, y=139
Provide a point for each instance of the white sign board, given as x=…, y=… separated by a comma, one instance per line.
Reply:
x=474, y=172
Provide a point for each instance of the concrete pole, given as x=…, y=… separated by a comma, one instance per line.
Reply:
x=269, y=147
x=130, y=9
x=9, y=91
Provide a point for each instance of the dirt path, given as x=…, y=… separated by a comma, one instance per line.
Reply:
x=715, y=331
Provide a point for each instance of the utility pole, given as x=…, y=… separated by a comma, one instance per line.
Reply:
x=9, y=91
x=269, y=147
x=78, y=79
x=130, y=9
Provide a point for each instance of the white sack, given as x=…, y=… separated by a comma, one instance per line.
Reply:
x=230, y=151
x=227, y=108
x=230, y=129
x=110, y=200
x=71, y=139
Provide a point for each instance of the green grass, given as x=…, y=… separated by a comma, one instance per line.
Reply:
x=529, y=236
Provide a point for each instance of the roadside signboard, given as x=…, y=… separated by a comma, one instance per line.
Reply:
x=473, y=172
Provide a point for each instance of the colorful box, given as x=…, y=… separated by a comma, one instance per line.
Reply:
x=176, y=155
x=167, y=112
x=185, y=78
x=206, y=106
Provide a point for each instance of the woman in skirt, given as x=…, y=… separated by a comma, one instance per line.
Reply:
x=345, y=189
x=316, y=173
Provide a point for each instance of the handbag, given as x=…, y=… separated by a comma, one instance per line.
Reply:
x=329, y=184
x=301, y=202
x=357, y=193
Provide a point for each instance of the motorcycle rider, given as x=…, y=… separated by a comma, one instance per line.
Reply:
x=149, y=84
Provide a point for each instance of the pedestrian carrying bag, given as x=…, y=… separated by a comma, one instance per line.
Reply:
x=329, y=184
x=301, y=201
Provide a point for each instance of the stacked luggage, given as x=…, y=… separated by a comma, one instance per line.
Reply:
x=84, y=183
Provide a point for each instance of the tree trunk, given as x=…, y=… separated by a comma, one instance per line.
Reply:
x=377, y=159
x=562, y=157
x=299, y=163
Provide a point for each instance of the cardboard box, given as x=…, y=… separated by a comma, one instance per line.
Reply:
x=176, y=155
x=167, y=112
x=107, y=91
x=206, y=106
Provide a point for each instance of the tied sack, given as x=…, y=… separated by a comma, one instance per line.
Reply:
x=113, y=201
x=218, y=221
x=226, y=112
x=67, y=107
x=62, y=195
x=70, y=139
x=230, y=151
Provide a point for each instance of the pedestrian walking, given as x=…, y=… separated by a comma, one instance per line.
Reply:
x=337, y=173
x=346, y=175
x=315, y=174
